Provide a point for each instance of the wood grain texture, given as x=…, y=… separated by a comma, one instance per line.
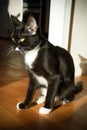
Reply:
x=13, y=86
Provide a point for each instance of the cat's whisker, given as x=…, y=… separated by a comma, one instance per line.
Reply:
x=7, y=51
x=22, y=52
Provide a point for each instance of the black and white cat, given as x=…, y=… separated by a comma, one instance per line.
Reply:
x=50, y=68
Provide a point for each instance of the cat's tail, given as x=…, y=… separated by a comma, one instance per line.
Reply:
x=72, y=90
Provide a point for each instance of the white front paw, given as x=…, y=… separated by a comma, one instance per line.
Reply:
x=40, y=100
x=44, y=110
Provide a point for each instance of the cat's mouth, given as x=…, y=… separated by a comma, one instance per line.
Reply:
x=20, y=49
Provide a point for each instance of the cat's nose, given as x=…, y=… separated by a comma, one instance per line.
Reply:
x=17, y=49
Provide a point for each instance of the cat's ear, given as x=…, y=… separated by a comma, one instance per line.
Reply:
x=31, y=25
x=16, y=23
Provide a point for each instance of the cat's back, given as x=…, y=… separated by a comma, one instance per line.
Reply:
x=63, y=54
x=65, y=59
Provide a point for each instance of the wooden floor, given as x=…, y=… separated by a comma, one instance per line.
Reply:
x=13, y=85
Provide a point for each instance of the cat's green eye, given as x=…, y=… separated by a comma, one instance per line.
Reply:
x=22, y=39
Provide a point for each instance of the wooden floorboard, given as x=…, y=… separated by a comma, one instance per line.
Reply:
x=13, y=86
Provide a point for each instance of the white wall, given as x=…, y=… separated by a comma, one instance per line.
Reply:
x=60, y=11
x=79, y=34
x=16, y=7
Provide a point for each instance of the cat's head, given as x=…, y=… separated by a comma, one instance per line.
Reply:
x=24, y=36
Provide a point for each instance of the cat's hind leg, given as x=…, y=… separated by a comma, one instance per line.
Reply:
x=65, y=101
x=68, y=94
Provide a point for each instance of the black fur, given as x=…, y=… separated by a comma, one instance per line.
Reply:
x=54, y=63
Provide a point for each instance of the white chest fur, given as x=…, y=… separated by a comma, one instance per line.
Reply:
x=41, y=80
x=30, y=56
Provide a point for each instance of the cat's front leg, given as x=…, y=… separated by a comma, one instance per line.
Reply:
x=30, y=93
x=51, y=93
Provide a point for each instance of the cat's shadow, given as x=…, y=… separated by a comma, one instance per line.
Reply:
x=32, y=104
